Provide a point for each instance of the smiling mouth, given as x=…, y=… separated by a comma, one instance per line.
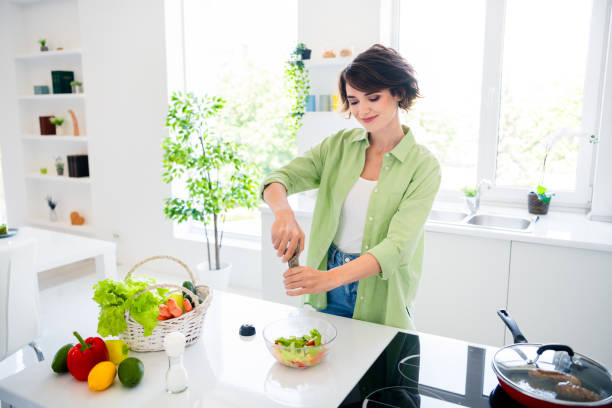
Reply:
x=370, y=119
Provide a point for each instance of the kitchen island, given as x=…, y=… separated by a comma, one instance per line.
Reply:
x=226, y=370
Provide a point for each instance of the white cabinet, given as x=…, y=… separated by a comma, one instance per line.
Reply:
x=57, y=22
x=563, y=295
x=464, y=283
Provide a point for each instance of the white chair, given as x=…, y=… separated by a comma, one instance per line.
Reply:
x=19, y=314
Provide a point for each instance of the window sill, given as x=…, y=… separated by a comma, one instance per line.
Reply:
x=250, y=244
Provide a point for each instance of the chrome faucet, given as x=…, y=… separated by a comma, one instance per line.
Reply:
x=473, y=203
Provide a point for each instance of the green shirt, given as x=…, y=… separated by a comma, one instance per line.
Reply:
x=393, y=232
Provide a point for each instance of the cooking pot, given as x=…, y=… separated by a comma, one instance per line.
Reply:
x=549, y=375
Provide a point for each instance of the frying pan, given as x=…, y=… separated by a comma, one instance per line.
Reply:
x=549, y=375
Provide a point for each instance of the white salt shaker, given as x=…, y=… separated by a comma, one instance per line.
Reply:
x=176, y=376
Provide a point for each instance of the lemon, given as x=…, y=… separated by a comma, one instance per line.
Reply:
x=178, y=298
x=101, y=376
x=117, y=351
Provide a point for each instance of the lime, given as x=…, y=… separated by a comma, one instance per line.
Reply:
x=117, y=351
x=131, y=371
x=59, y=361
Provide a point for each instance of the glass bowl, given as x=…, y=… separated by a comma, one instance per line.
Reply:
x=300, y=357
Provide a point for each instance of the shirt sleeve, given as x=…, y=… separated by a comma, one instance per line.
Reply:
x=407, y=224
x=302, y=173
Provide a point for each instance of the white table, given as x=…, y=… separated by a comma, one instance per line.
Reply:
x=224, y=369
x=57, y=249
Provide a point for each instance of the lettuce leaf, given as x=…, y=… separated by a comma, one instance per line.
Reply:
x=115, y=297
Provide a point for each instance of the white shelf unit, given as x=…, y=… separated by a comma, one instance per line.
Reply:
x=61, y=225
x=58, y=179
x=56, y=22
x=56, y=139
x=316, y=126
x=51, y=97
x=48, y=54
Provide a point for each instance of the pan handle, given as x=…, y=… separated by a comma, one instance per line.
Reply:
x=556, y=347
x=512, y=326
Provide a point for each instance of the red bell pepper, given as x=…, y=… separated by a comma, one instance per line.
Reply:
x=85, y=355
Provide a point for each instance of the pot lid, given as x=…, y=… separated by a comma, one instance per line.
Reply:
x=554, y=373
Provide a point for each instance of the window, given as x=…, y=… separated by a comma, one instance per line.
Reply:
x=499, y=79
x=237, y=50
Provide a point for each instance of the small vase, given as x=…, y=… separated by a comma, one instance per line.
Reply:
x=52, y=215
x=76, y=89
x=59, y=131
x=60, y=171
x=44, y=48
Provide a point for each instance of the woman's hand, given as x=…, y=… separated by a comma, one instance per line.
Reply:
x=308, y=280
x=286, y=234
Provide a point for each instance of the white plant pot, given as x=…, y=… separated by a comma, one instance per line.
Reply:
x=215, y=278
x=59, y=131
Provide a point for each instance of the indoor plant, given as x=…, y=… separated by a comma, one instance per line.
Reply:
x=76, y=86
x=303, y=51
x=59, y=165
x=216, y=177
x=43, y=45
x=538, y=201
x=297, y=85
x=58, y=122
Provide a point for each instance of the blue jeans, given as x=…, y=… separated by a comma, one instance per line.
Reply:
x=340, y=301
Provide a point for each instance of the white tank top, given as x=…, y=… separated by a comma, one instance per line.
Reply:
x=352, y=218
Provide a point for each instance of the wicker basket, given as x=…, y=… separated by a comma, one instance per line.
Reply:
x=190, y=324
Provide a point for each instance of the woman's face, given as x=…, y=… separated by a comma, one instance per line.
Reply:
x=374, y=111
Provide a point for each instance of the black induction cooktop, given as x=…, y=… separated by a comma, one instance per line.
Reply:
x=424, y=372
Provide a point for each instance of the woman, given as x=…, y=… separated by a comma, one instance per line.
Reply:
x=376, y=188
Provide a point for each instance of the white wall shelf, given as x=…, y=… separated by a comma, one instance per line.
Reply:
x=66, y=226
x=56, y=139
x=328, y=62
x=60, y=179
x=51, y=97
x=42, y=55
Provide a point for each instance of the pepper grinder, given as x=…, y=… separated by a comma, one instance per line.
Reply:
x=176, y=376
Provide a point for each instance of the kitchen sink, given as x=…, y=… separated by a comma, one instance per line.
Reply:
x=479, y=220
x=502, y=222
x=447, y=216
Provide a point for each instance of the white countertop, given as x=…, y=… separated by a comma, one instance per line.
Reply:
x=556, y=228
x=57, y=249
x=224, y=370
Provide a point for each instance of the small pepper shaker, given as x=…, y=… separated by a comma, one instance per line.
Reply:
x=176, y=376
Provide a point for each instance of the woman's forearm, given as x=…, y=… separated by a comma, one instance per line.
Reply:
x=275, y=195
x=360, y=268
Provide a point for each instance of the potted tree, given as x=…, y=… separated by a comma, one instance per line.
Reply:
x=215, y=176
x=58, y=122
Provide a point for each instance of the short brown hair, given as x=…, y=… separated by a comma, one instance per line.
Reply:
x=379, y=68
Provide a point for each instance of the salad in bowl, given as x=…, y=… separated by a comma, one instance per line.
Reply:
x=300, y=341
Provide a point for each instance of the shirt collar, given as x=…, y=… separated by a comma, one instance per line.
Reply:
x=400, y=151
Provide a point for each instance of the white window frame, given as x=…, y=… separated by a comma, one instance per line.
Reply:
x=491, y=103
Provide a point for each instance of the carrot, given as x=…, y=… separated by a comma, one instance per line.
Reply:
x=161, y=317
x=187, y=305
x=163, y=310
x=175, y=311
